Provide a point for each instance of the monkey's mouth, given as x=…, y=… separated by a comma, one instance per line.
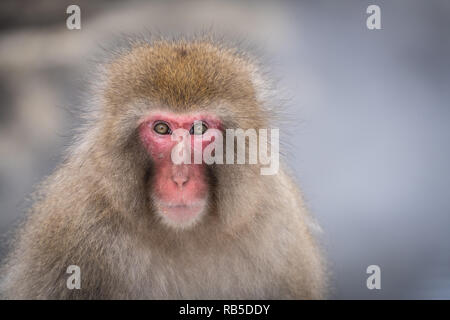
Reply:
x=181, y=213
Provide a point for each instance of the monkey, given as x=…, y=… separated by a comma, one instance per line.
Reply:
x=139, y=226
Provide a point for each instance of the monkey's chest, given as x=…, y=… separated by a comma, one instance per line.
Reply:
x=211, y=275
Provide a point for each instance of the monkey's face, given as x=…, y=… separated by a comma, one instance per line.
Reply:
x=180, y=189
x=190, y=82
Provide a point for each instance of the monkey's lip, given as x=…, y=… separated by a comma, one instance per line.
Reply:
x=181, y=211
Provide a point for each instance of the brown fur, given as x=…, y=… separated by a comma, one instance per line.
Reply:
x=95, y=212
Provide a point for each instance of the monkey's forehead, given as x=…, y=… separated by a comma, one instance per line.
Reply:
x=181, y=75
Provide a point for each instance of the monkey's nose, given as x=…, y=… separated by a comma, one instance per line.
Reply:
x=180, y=175
x=180, y=180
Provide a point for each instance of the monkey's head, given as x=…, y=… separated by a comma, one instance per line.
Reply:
x=153, y=91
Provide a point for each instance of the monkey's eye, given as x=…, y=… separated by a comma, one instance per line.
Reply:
x=198, y=128
x=162, y=128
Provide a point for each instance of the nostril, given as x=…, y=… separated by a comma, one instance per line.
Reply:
x=180, y=180
x=180, y=175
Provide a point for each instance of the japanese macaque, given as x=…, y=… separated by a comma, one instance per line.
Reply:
x=140, y=226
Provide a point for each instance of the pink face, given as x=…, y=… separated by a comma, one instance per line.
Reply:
x=180, y=191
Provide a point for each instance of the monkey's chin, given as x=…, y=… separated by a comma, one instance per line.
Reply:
x=181, y=215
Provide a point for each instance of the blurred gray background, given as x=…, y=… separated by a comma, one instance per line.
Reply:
x=369, y=132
